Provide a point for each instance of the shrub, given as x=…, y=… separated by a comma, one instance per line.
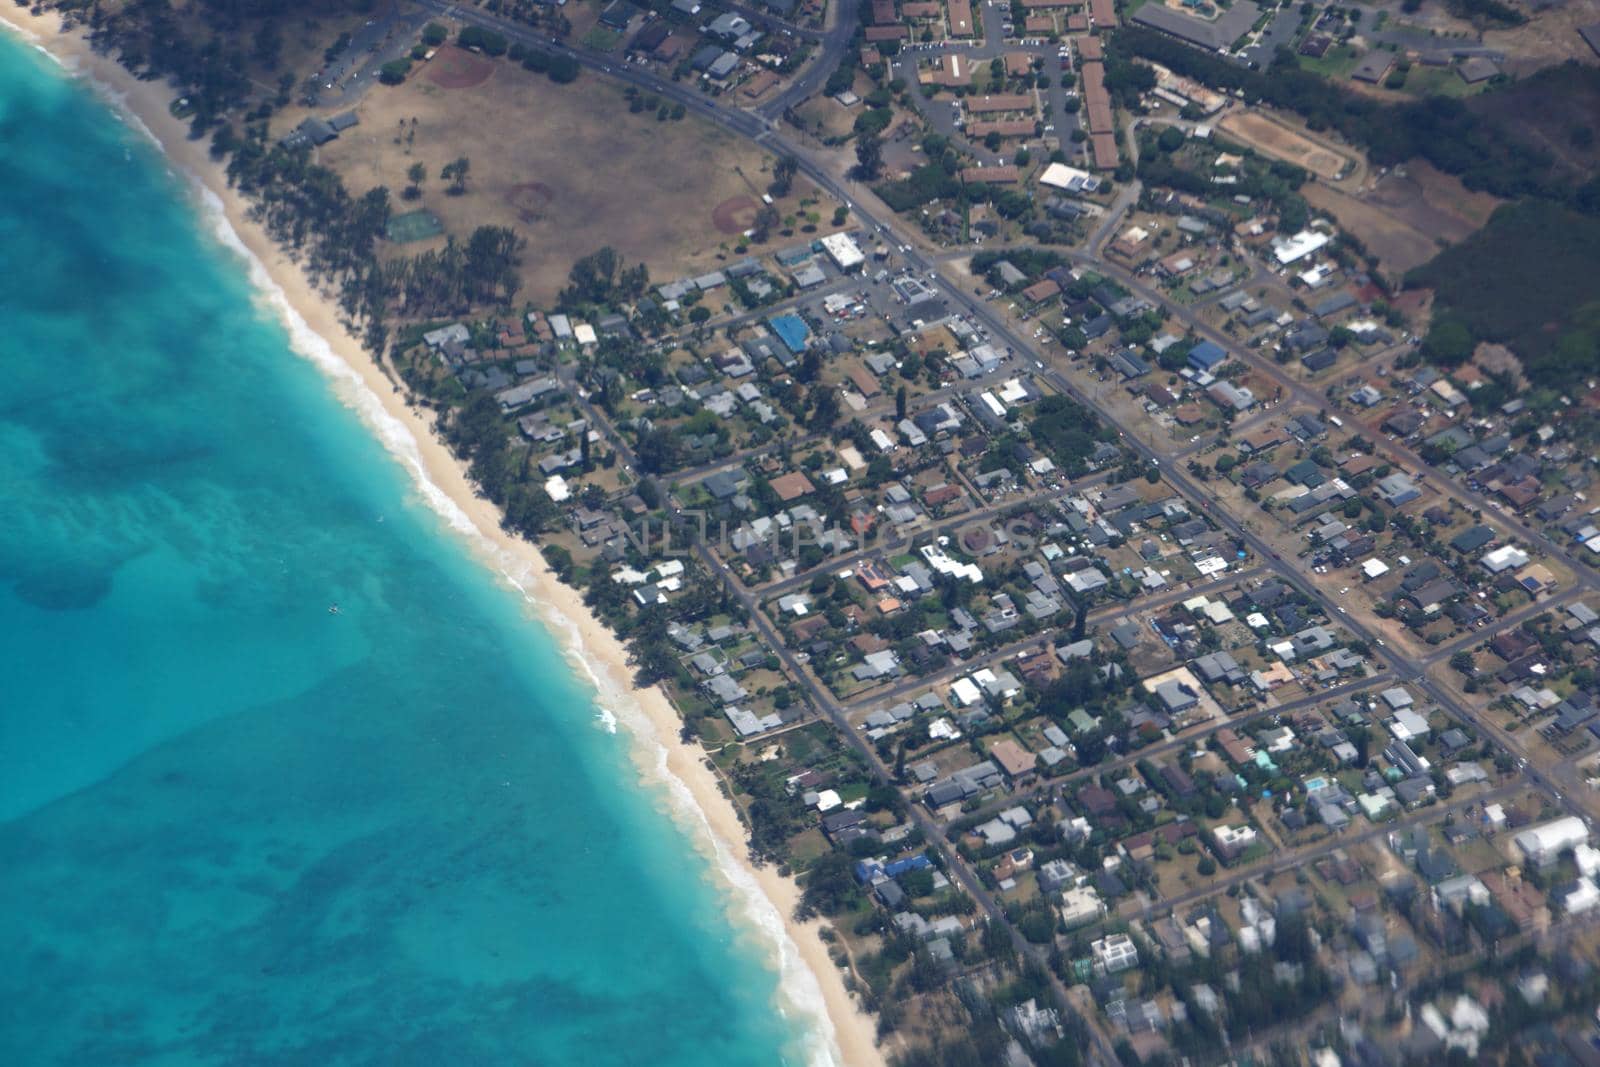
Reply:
x=488, y=42
x=394, y=72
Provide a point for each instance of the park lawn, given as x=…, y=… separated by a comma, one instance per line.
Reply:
x=568, y=167
x=807, y=847
x=601, y=39
x=1438, y=81
x=1336, y=65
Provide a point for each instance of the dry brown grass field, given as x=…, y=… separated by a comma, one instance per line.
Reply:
x=567, y=166
x=1549, y=36
x=1405, y=218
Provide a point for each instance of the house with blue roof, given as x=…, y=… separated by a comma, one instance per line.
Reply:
x=792, y=331
x=1207, y=355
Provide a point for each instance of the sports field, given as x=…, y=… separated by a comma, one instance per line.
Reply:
x=1280, y=142
x=456, y=68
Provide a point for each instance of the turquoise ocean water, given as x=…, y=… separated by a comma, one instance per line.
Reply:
x=236, y=828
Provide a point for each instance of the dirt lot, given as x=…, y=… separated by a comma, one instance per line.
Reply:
x=567, y=166
x=1549, y=36
x=1408, y=215
x=456, y=68
x=1271, y=137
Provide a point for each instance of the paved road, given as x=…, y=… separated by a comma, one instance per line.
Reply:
x=386, y=36
x=883, y=697
x=1189, y=739
x=1308, y=394
x=823, y=701
x=832, y=45
x=1299, y=857
x=932, y=832
x=690, y=475
x=898, y=540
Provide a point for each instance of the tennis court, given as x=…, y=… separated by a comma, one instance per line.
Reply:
x=414, y=226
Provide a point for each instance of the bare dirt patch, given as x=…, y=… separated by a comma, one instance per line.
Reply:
x=1498, y=359
x=1403, y=196
x=1408, y=215
x=735, y=215
x=1549, y=37
x=1446, y=193
x=1399, y=247
x=1278, y=141
x=456, y=68
x=531, y=200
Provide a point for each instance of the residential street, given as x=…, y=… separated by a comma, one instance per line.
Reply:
x=1394, y=665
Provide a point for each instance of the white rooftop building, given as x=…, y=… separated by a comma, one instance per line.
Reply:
x=1407, y=724
x=1543, y=843
x=1234, y=838
x=941, y=562
x=1582, y=897
x=844, y=252
x=1081, y=905
x=1115, y=954
x=1288, y=249
x=965, y=692
x=1504, y=558
x=1071, y=179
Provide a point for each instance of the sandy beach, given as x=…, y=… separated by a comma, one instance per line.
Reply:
x=759, y=898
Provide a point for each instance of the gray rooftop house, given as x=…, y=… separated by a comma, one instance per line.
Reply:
x=725, y=484
x=746, y=723
x=723, y=65
x=729, y=26
x=1397, y=698
x=527, y=393
x=1175, y=697
x=1219, y=667
x=725, y=688
x=453, y=333
x=1311, y=640
x=313, y=131
x=1397, y=489
x=1076, y=650
x=1219, y=33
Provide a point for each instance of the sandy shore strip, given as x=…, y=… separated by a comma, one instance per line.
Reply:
x=758, y=896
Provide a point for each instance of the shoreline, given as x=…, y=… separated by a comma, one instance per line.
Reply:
x=759, y=900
